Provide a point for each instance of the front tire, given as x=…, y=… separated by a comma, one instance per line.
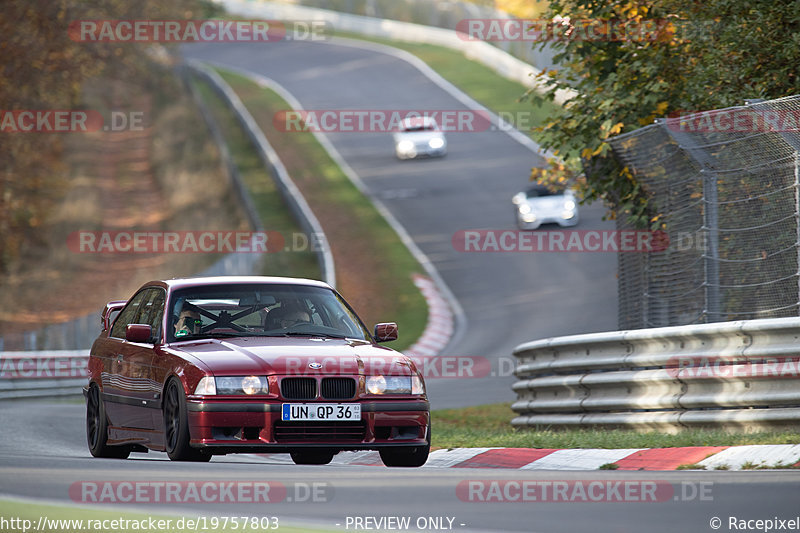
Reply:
x=176, y=426
x=97, y=428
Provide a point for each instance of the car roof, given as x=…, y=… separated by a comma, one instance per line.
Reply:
x=181, y=283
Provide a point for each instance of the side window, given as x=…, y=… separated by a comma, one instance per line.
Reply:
x=151, y=311
x=128, y=315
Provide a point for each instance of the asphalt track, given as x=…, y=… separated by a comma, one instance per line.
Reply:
x=43, y=456
x=508, y=297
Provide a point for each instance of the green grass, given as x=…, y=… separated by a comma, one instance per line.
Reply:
x=33, y=512
x=693, y=466
x=358, y=234
x=483, y=84
x=488, y=426
x=274, y=214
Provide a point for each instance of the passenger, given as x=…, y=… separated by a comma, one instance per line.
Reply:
x=292, y=318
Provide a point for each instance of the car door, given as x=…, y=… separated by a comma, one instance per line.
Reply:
x=130, y=390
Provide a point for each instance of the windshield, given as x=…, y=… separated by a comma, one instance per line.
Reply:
x=261, y=310
x=420, y=128
x=540, y=191
x=418, y=125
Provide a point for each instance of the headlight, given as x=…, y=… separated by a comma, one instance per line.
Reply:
x=524, y=208
x=569, y=205
x=206, y=386
x=518, y=198
x=436, y=143
x=566, y=215
x=395, y=385
x=376, y=384
x=417, y=385
x=528, y=217
x=405, y=146
x=242, y=385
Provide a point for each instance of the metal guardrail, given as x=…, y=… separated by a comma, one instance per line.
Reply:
x=289, y=191
x=733, y=374
x=40, y=374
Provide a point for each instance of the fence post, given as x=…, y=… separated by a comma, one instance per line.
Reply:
x=713, y=304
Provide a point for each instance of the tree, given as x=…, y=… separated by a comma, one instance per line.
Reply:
x=42, y=68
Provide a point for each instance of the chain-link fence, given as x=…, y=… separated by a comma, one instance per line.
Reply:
x=725, y=184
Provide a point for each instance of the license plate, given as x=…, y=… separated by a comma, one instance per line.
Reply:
x=320, y=411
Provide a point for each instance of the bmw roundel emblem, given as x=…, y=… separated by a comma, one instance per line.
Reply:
x=315, y=366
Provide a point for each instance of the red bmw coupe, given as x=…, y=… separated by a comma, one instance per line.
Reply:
x=207, y=366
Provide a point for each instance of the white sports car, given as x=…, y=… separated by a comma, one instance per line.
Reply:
x=539, y=205
x=419, y=136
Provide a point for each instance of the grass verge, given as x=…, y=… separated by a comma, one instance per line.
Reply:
x=374, y=269
x=273, y=212
x=488, y=426
x=65, y=519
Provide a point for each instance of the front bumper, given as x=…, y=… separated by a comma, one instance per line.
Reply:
x=420, y=151
x=225, y=426
x=547, y=219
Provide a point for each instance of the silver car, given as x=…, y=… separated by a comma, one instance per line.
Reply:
x=419, y=136
x=539, y=205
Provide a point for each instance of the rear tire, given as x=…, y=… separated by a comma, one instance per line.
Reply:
x=176, y=426
x=407, y=456
x=312, y=458
x=97, y=428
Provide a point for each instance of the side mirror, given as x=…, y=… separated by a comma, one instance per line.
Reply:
x=138, y=332
x=385, y=332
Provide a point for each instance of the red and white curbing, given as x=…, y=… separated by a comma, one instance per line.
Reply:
x=439, y=328
x=704, y=457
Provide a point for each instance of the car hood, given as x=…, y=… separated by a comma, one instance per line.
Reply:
x=547, y=203
x=293, y=356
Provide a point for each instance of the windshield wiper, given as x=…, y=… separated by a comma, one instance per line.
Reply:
x=311, y=334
